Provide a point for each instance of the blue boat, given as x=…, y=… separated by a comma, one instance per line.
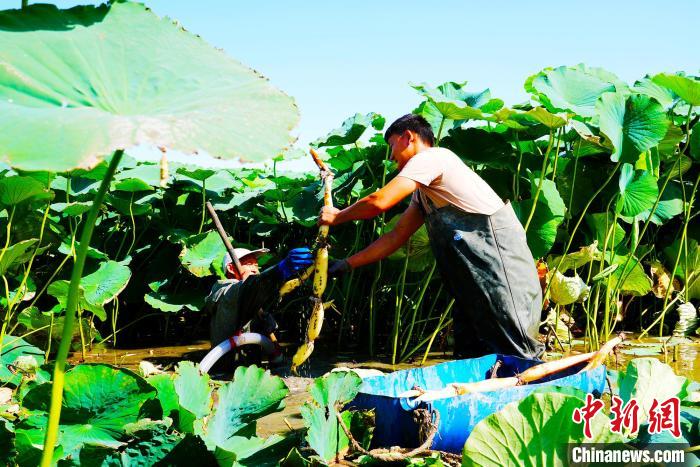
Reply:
x=460, y=414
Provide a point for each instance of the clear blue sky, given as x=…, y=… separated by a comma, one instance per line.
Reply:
x=337, y=58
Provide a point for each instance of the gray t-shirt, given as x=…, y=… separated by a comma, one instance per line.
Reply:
x=445, y=179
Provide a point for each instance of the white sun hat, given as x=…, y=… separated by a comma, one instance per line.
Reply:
x=242, y=253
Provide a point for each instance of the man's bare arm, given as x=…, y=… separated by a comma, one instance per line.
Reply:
x=388, y=243
x=372, y=205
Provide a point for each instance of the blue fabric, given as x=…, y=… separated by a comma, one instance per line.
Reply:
x=297, y=260
x=458, y=415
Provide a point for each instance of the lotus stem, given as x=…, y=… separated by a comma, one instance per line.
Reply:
x=437, y=330
x=545, y=164
x=71, y=306
x=204, y=205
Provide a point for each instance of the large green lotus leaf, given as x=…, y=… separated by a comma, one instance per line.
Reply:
x=98, y=401
x=129, y=204
x=132, y=185
x=691, y=257
x=546, y=118
x=638, y=191
x=16, y=254
x=148, y=173
x=453, y=102
x=686, y=88
x=534, y=431
x=352, y=129
x=70, y=91
x=13, y=347
x=418, y=249
x=636, y=282
x=196, y=173
x=477, y=146
x=324, y=434
x=641, y=381
x=575, y=260
x=150, y=445
x=695, y=142
x=548, y=215
x=661, y=93
x=96, y=289
x=575, y=89
x=14, y=190
x=103, y=285
x=74, y=209
x=633, y=124
x=329, y=394
x=242, y=451
x=670, y=205
x=335, y=388
x=200, y=252
x=194, y=395
x=669, y=145
x=252, y=394
x=173, y=302
x=166, y=395
x=601, y=226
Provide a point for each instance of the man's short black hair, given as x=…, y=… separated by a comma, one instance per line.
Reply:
x=414, y=123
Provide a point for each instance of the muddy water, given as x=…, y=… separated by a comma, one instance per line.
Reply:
x=682, y=354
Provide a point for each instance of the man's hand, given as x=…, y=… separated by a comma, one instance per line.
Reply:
x=338, y=267
x=297, y=260
x=327, y=215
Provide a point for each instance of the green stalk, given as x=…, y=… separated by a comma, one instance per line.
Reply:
x=348, y=287
x=438, y=328
x=439, y=134
x=377, y=273
x=580, y=219
x=516, y=177
x=416, y=307
x=25, y=3
x=133, y=226
x=400, y=285
x=683, y=245
x=7, y=233
x=545, y=163
x=72, y=303
x=204, y=205
x=573, y=182
x=658, y=198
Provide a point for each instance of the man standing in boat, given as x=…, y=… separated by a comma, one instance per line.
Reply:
x=478, y=242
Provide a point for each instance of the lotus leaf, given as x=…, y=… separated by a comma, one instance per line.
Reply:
x=633, y=124
x=533, y=431
x=549, y=214
x=200, y=252
x=638, y=191
x=601, y=224
x=73, y=209
x=684, y=87
x=253, y=451
x=454, y=103
x=477, y=146
x=97, y=289
x=14, y=190
x=252, y=394
x=59, y=98
x=98, y=401
x=640, y=381
x=16, y=254
x=352, y=129
x=131, y=185
x=636, y=281
x=575, y=260
x=194, y=395
x=574, y=89
x=695, y=142
x=661, y=93
x=330, y=393
x=548, y=119
x=12, y=348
